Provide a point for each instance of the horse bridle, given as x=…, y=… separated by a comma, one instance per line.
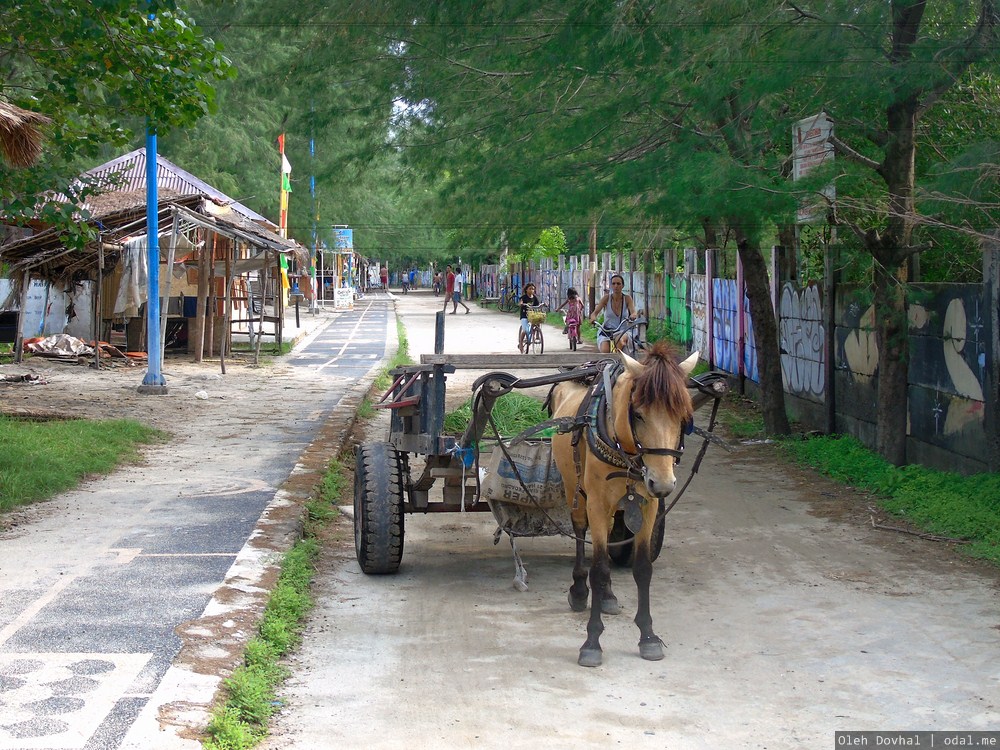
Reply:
x=631, y=461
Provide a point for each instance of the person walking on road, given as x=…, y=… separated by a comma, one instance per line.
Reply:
x=453, y=291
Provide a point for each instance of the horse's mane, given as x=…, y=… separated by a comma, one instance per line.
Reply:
x=663, y=383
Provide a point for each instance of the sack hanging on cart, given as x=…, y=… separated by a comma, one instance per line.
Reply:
x=525, y=491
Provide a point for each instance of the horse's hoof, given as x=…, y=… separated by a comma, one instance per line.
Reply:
x=651, y=650
x=610, y=606
x=589, y=657
x=577, y=605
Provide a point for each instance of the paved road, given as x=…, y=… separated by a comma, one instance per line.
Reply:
x=98, y=588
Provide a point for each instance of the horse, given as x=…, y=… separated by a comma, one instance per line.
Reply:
x=630, y=424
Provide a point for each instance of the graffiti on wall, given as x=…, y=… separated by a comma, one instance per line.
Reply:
x=678, y=315
x=857, y=352
x=802, y=337
x=750, y=348
x=699, y=320
x=725, y=326
x=948, y=362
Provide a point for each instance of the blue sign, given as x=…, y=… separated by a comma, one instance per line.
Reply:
x=343, y=239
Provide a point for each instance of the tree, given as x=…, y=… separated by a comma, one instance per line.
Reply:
x=900, y=58
x=96, y=69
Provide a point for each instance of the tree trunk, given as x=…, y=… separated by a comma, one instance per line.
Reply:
x=890, y=251
x=891, y=337
x=765, y=331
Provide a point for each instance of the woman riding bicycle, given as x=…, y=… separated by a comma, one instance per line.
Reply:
x=528, y=299
x=618, y=307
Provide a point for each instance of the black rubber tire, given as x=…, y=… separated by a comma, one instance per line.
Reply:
x=537, y=341
x=378, y=508
x=572, y=342
x=621, y=555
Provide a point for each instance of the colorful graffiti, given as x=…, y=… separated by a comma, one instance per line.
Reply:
x=750, y=345
x=699, y=315
x=725, y=326
x=678, y=321
x=802, y=338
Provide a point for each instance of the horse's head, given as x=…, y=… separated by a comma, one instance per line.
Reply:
x=652, y=408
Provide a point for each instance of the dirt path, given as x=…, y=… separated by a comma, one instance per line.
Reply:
x=786, y=616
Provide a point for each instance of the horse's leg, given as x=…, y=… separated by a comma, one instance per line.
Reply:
x=578, y=592
x=600, y=573
x=650, y=645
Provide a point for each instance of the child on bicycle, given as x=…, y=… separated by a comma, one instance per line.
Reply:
x=574, y=308
x=528, y=299
x=618, y=307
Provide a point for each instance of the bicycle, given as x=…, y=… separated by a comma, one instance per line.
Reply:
x=573, y=331
x=535, y=341
x=509, y=299
x=626, y=336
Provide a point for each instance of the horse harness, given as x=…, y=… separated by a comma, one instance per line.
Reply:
x=594, y=418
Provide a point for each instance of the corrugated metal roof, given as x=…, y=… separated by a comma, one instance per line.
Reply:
x=131, y=175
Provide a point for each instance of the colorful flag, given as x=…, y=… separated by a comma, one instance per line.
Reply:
x=286, y=171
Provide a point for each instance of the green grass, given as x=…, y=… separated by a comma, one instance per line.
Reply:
x=270, y=348
x=241, y=722
x=41, y=459
x=941, y=503
x=512, y=413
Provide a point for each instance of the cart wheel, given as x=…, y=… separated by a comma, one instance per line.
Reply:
x=622, y=554
x=378, y=508
x=537, y=342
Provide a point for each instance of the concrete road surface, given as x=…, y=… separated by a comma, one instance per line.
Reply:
x=786, y=617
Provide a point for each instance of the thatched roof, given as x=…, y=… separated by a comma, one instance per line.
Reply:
x=20, y=134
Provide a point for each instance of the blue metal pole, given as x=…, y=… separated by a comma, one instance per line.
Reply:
x=153, y=383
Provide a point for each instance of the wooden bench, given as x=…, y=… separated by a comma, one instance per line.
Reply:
x=487, y=301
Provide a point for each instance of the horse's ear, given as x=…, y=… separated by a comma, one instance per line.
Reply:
x=688, y=365
x=634, y=366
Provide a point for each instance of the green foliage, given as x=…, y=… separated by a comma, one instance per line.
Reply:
x=98, y=70
x=512, y=414
x=41, y=459
x=942, y=503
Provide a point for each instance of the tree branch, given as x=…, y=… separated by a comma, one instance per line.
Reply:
x=855, y=156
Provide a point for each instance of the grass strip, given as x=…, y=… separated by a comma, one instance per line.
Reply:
x=939, y=502
x=41, y=459
x=241, y=722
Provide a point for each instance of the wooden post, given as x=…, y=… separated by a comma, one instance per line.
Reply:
x=260, y=320
x=741, y=329
x=164, y=308
x=201, y=308
x=212, y=298
x=19, y=333
x=831, y=279
x=98, y=304
x=228, y=307
x=709, y=305
x=991, y=378
x=592, y=269
x=439, y=332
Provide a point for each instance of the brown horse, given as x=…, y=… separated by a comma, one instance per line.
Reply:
x=630, y=427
